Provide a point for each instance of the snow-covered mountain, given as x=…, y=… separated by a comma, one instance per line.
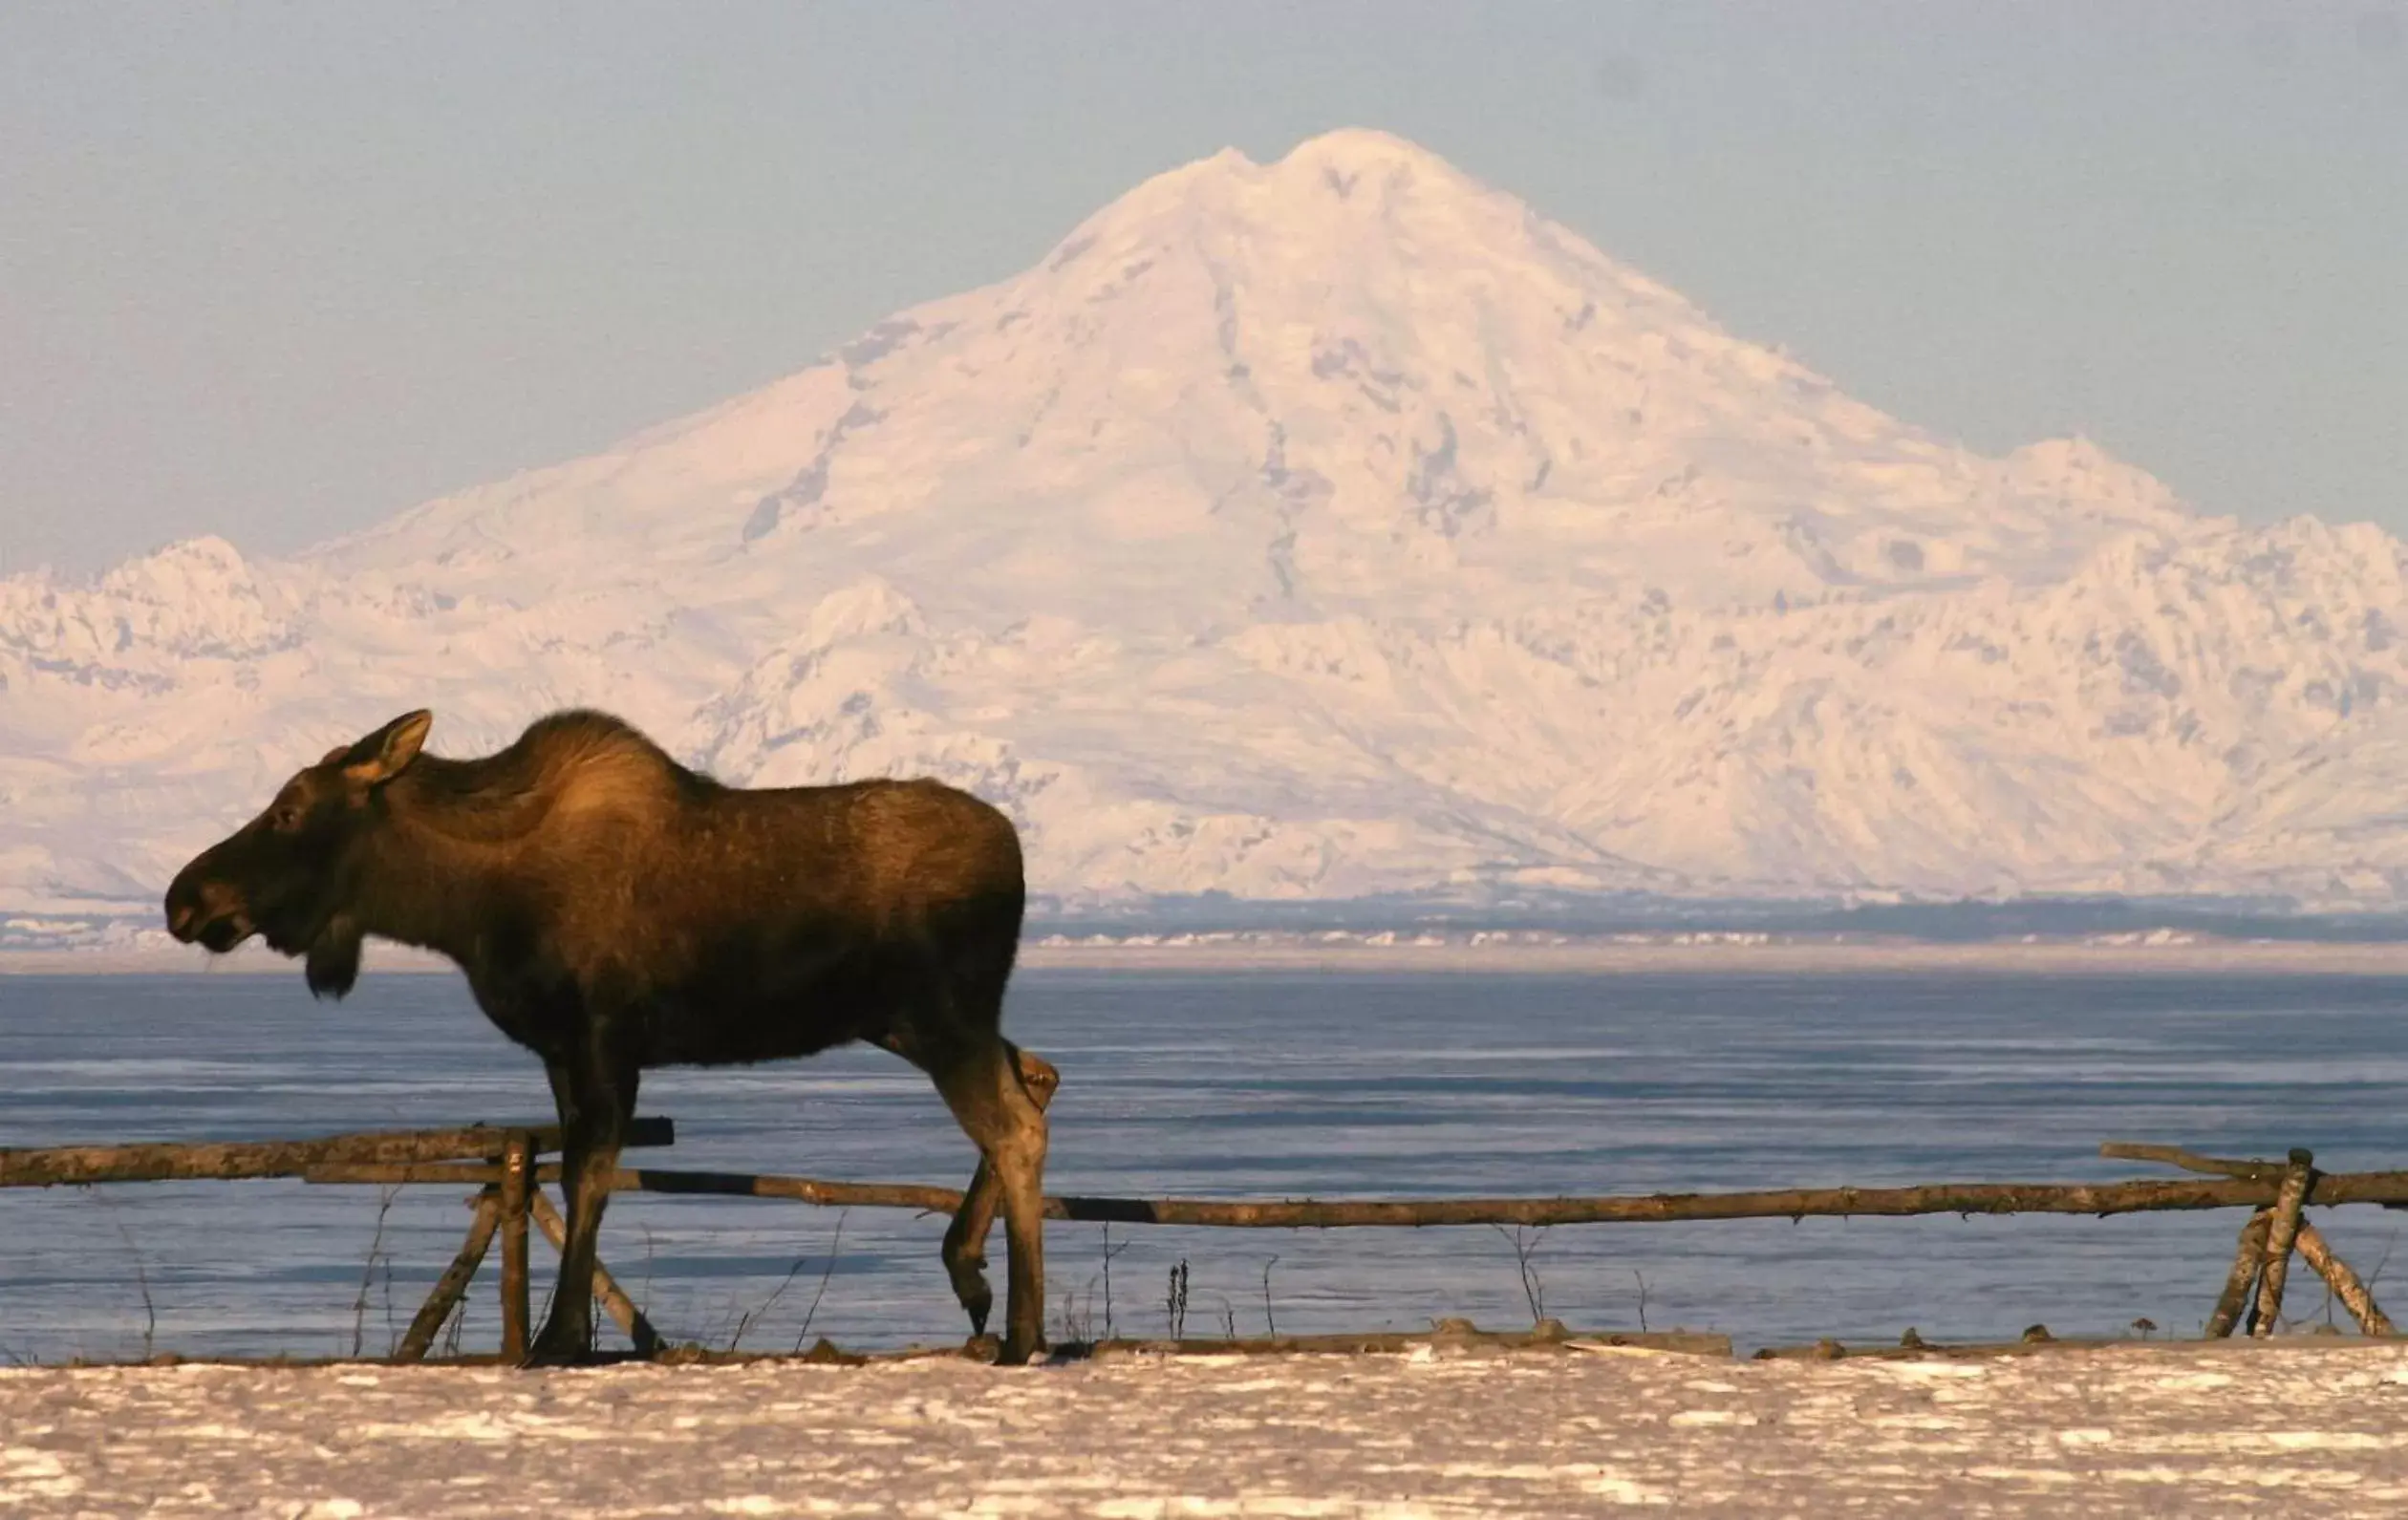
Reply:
x=1322, y=528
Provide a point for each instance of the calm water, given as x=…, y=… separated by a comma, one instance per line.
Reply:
x=1233, y=1084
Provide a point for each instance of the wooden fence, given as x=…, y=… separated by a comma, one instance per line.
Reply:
x=504, y=1166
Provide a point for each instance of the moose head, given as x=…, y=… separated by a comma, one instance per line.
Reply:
x=292, y=874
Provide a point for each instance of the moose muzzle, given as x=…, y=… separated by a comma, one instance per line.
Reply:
x=208, y=913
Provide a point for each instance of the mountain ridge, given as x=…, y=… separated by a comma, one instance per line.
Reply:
x=1322, y=529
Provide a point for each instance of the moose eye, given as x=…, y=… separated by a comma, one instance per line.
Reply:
x=285, y=818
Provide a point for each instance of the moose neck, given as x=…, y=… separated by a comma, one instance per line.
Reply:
x=426, y=886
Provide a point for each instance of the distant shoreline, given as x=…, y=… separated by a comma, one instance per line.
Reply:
x=1699, y=953
x=1736, y=955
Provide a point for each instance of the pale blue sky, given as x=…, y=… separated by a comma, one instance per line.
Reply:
x=274, y=273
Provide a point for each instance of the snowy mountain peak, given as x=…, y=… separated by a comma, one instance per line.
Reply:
x=1355, y=150
x=1316, y=528
x=1317, y=181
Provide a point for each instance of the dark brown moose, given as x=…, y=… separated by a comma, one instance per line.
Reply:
x=614, y=910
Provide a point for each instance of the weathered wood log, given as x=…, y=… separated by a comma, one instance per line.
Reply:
x=59, y=1165
x=2252, y=1170
x=2355, y=1296
x=2310, y=1243
x=720, y=1184
x=2282, y=1232
x=516, y=1182
x=621, y=1308
x=453, y=1284
x=2247, y=1257
x=1938, y=1198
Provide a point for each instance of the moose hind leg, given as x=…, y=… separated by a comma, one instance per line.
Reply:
x=965, y=1239
x=984, y=1088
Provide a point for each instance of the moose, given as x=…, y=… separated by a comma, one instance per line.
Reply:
x=614, y=910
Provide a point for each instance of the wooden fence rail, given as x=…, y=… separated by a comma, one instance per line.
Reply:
x=236, y=1160
x=503, y=1207
x=499, y=1165
x=1795, y=1203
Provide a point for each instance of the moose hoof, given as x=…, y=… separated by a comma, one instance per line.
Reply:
x=982, y=1347
x=557, y=1349
x=970, y=1289
x=1017, y=1351
x=544, y=1356
x=977, y=1309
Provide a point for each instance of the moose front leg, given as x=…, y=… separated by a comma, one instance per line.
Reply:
x=596, y=1097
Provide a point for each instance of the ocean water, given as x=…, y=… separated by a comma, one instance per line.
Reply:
x=1235, y=1084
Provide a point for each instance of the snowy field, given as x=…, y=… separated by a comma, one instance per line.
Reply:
x=2193, y=1430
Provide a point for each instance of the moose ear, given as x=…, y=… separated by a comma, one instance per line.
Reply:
x=387, y=752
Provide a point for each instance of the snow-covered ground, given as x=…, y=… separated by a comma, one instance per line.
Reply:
x=1316, y=529
x=2308, y=1429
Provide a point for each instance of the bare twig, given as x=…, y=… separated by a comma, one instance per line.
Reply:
x=141, y=1276
x=1642, y=1280
x=1229, y=1317
x=723, y=1321
x=368, y=1271
x=744, y=1320
x=1078, y=1325
x=2254, y=1170
x=2382, y=1261
x=1175, y=1305
x=1109, y=1252
x=809, y=1315
x=1525, y=1243
x=1270, y=1324
x=393, y=1326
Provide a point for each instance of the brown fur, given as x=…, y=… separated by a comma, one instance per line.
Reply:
x=614, y=910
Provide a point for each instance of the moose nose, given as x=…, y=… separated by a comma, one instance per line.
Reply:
x=188, y=909
x=210, y=913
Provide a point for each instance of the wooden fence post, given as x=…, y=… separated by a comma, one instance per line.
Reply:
x=515, y=1183
x=454, y=1282
x=2246, y=1257
x=2282, y=1232
x=2353, y=1294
